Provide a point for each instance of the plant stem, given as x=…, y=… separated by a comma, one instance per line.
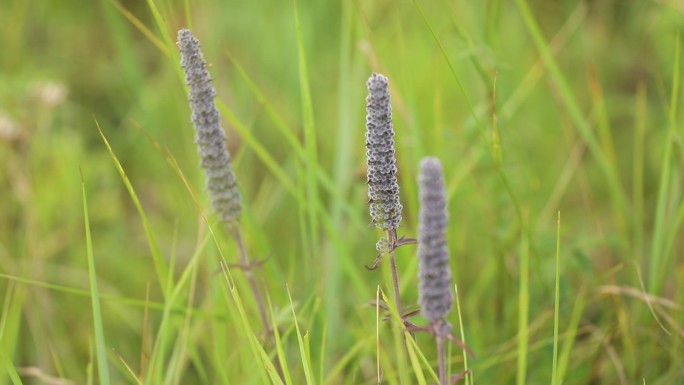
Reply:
x=392, y=235
x=247, y=268
x=441, y=354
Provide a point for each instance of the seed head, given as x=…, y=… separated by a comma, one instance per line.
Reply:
x=383, y=189
x=210, y=137
x=433, y=257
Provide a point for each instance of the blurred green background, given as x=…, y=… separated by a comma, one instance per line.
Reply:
x=534, y=107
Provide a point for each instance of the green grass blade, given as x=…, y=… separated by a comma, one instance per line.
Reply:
x=638, y=175
x=467, y=38
x=537, y=71
x=100, y=343
x=605, y=136
x=10, y=369
x=266, y=361
x=615, y=189
x=140, y=26
x=139, y=303
x=306, y=365
x=323, y=350
x=279, y=344
x=468, y=379
x=493, y=144
x=160, y=266
x=285, y=130
x=311, y=161
x=184, y=336
x=657, y=260
x=347, y=113
x=523, y=305
x=166, y=328
x=412, y=347
x=245, y=323
x=90, y=377
x=469, y=102
x=188, y=17
x=161, y=25
x=377, y=335
x=332, y=187
x=398, y=337
x=261, y=152
x=11, y=322
x=336, y=372
x=556, y=316
x=131, y=373
x=126, y=59
x=570, y=334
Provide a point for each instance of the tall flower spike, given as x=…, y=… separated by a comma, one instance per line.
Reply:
x=433, y=257
x=210, y=137
x=383, y=189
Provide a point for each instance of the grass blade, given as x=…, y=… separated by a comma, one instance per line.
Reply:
x=397, y=325
x=468, y=376
x=140, y=26
x=523, y=305
x=161, y=25
x=280, y=352
x=311, y=161
x=100, y=343
x=554, y=373
x=260, y=151
x=469, y=103
x=11, y=370
x=266, y=361
x=332, y=187
x=570, y=334
x=11, y=323
x=657, y=268
x=638, y=174
x=302, y=347
x=411, y=347
x=160, y=266
x=166, y=327
x=617, y=194
x=246, y=325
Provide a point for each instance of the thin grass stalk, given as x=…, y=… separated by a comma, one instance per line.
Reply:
x=467, y=374
x=441, y=356
x=556, y=315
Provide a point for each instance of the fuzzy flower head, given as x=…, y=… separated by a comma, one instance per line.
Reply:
x=433, y=256
x=383, y=189
x=210, y=137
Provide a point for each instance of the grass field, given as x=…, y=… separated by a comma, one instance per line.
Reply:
x=558, y=124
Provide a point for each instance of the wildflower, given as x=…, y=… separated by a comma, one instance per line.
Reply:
x=433, y=257
x=210, y=137
x=383, y=189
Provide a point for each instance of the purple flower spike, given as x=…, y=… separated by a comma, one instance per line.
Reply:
x=383, y=189
x=433, y=256
x=210, y=137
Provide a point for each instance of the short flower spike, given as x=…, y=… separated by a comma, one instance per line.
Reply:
x=433, y=256
x=383, y=189
x=210, y=137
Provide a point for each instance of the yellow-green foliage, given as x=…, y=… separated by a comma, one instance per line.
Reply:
x=533, y=107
